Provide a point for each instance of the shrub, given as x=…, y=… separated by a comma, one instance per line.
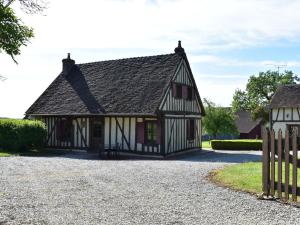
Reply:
x=236, y=144
x=21, y=134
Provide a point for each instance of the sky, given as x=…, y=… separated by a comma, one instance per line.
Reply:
x=225, y=42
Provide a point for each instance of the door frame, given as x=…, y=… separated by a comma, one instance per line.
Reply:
x=92, y=122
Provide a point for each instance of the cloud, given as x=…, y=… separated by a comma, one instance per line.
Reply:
x=95, y=30
x=201, y=24
x=227, y=62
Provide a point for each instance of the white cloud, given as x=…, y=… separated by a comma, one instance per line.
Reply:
x=217, y=90
x=201, y=24
x=220, y=61
x=153, y=26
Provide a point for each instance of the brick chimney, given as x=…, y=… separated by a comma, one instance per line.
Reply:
x=68, y=63
x=179, y=50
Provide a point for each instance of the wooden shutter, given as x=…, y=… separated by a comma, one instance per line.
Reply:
x=158, y=133
x=58, y=129
x=184, y=91
x=140, y=132
x=192, y=129
x=193, y=94
x=188, y=129
x=174, y=88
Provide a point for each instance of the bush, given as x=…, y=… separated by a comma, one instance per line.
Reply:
x=21, y=134
x=236, y=144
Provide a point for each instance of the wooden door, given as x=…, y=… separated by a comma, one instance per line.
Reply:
x=97, y=134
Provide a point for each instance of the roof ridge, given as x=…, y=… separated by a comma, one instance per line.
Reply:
x=137, y=57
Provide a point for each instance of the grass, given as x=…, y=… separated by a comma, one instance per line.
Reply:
x=4, y=154
x=243, y=140
x=206, y=144
x=245, y=176
x=31, y=152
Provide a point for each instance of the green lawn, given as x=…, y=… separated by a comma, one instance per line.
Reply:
x=244, y=176
x=31, y=152
x=206, y=144
x=4, y=154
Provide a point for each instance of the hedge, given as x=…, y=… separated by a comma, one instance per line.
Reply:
x=236, y=144
x=21, y=134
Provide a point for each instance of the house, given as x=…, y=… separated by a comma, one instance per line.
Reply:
x=142, y=105
x=285, y=108
x=246, y=126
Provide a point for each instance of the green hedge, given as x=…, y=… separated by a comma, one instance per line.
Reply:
x=21, y=134
x=236, y=144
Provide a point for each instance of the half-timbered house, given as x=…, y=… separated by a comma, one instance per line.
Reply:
x=142, y=105
x=285, y=108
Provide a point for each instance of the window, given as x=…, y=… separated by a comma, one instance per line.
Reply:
x=178, y=91
x=190, y=93
x=151, y=132
x=190, y=129
x=64, y=129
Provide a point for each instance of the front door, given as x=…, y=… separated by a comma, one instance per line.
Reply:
x=97, y=134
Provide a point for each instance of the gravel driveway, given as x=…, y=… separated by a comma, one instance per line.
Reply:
x=75, y=189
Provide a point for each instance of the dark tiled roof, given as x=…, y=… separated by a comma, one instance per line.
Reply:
x=286, y=96
x=244, y=122
x=133, y=86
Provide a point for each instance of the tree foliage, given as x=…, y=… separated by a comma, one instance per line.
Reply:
x=13, y=33
x=259, y=92
x=240, y=101
x=218, y=120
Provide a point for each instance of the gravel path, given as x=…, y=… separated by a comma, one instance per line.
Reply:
x=77, y=190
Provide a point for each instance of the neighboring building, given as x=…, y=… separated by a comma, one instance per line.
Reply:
x=285, y=108
x=143, y=105
x=247, y=127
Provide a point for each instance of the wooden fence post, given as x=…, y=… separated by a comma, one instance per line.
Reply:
x=295, y=159
x=279, y=152
x=266, y=162
x=287, y=165
x=272, y=139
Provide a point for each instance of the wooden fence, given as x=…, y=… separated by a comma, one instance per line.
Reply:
x=280, y=163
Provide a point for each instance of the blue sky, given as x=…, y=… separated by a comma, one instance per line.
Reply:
x=225, y=41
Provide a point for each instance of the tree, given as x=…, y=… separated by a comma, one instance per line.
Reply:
x=218, y=120
x=13, y=33
x=240, y=101
x=259, y=92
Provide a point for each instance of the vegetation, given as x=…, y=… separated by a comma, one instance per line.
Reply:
x=21, y=134
x=13, y=33
x=239, y=144
x=4, y=153
x=218, y=120
x=206, y=144
x=259, y=91
x=244, y=176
